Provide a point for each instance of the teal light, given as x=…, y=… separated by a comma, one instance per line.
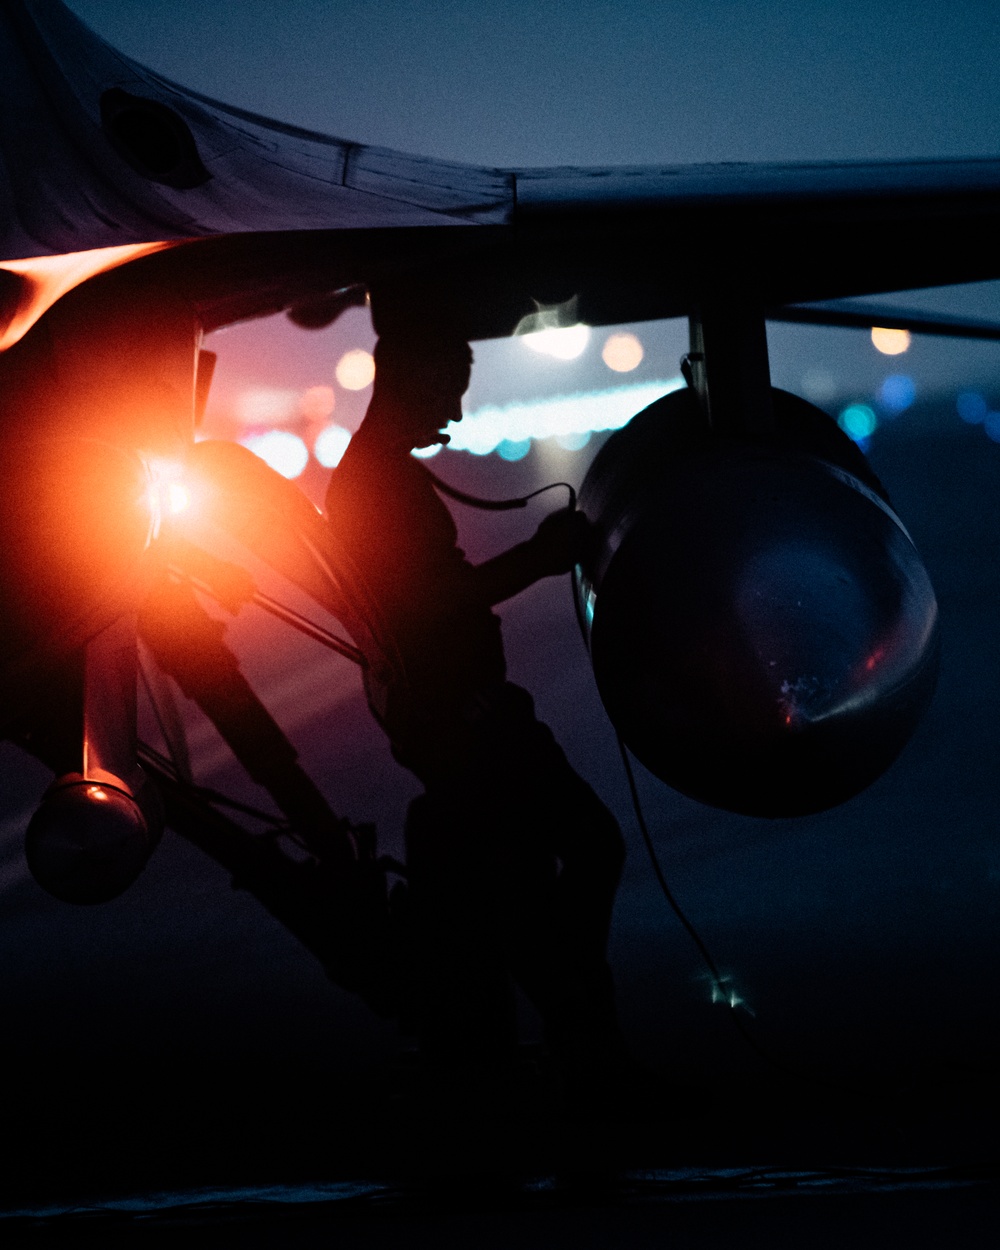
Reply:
x=511, y=449
x=858, y=422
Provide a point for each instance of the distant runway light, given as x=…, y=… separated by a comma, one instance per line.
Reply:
x=563, y=343
x=972, y=407
x=286, y=453
x=897, y=393
x=573, y=442
x=355, y=370
x=890, y=342
x=266, y=405
x=485, y=429
x=317, y=402
x=330, y=445
x=858, y=422
x=819, y=385
x=511, y=449
x=622, y=352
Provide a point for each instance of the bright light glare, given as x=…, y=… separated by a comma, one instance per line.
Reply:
x=622, y=353
x=317, y=402
x=284, y=452
x=563, y=343
x=483, y=431
x=178, y=498
x=355, y=370
x=330, y=445
x=169, y=493
x=890, y=342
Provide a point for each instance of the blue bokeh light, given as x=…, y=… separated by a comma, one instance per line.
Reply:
x=972, y=407
x=897, y=393
x=992, y=425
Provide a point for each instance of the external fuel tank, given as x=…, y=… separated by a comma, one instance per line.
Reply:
x=763, y=632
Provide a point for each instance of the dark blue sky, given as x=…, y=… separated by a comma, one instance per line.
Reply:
x=521, y=82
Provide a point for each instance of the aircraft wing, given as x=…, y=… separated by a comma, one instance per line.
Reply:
x=99, y=151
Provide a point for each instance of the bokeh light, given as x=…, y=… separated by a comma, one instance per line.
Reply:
x=564, y=343
x=573, y=442
x=330, y=445
x=622, y=353
x=483, y=430
x=897, y=393
x=819, y=385
x=285, y=452
x=890, y=342
x=267, y=405
x=972, y=407
x=991, y=424
x=355, y=369
x=317, y=402
x=858, y=422
x=512, y=451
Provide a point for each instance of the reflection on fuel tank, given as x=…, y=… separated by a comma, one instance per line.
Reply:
x=762, y=629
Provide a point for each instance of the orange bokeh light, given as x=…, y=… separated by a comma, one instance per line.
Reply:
x=317, y=403
x=355, y=370
x=890, y=342
x=622, y=353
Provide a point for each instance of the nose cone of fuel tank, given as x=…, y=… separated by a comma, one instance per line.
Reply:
x=88, y=841
x=762, y=629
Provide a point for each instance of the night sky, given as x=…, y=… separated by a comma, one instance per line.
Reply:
x=863, y=939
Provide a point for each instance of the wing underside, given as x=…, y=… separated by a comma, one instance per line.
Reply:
x=99, y=151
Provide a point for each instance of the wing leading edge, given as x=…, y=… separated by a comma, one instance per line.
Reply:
x=98, y=151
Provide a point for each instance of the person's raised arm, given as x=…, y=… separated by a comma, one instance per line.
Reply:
x=554, y=548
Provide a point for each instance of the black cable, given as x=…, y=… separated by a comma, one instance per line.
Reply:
x=493, y=505
x=675, y=907
x=288, y=615
x=719, y=993
x=275, y=824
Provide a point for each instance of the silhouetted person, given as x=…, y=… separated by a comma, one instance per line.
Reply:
x=513, y=861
